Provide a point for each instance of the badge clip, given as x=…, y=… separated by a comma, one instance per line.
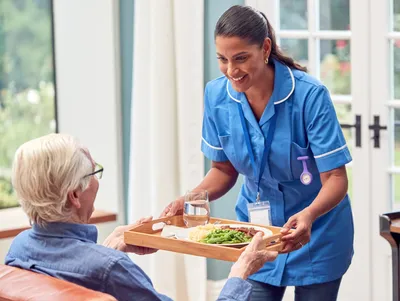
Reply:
x=258, y=197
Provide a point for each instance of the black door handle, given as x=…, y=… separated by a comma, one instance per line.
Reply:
x=357, y=126
x=376, y=127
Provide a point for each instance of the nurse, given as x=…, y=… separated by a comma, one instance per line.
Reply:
x=270, y=121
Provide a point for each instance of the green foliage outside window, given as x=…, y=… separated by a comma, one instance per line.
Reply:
x=27, y=108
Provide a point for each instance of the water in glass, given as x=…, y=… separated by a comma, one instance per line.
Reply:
x=196, y=209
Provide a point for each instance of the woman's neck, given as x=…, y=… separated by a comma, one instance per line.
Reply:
x=259, y=94
x=262, y=89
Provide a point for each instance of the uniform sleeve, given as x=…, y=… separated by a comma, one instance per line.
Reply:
x=324, y=133
x=235, y=289
x=127, y=281
x=210, y=144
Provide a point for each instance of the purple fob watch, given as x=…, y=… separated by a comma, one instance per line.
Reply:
x=306, y=176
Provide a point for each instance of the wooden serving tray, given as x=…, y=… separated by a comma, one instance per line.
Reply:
x=144, y=235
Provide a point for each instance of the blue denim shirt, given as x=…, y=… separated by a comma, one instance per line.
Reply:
x=70, y=252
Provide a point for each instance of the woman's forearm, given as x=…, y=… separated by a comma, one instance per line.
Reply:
x=333, y=191
x=219, y=180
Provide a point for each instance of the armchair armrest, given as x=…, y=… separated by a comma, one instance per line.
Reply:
x=17, y=284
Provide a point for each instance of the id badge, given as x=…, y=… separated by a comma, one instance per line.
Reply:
x=260, y=213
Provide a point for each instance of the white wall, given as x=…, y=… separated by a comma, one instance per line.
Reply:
x=4, y=246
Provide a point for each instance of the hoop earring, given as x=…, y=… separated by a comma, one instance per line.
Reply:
x=266, y=61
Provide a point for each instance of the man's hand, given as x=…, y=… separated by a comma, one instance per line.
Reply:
x=116, y=239
x=253, y=258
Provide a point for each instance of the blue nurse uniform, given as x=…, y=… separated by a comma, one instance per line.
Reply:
x=306, y=125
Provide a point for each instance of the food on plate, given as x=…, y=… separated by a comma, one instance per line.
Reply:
x=221, y=234
x=250, y=231
x=225, y=236
x=200, y=232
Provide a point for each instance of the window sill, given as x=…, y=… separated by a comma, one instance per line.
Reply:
x=15, y=221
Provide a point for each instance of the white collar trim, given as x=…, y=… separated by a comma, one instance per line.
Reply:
x=227, y=90
x=276, y=102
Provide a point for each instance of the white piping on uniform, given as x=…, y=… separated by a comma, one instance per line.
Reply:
x=331, y=152
x=214, y=147
x=227, y=90
x=290, y=93
x=275, y=103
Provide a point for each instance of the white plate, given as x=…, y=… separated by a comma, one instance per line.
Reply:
x=176, y=232
x=183, y=233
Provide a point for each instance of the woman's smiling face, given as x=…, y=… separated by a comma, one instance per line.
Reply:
x=242, y=63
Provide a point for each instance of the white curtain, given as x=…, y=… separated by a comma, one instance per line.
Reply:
x=167, y=105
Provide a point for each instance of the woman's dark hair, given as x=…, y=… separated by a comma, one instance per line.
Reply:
x=248, y=23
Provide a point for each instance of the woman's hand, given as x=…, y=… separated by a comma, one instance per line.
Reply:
x=116, y=239
x=333, y=191
x=221, y=177
x=301, y=235
x=174, y=208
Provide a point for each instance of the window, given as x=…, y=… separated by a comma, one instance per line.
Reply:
x=27, y=85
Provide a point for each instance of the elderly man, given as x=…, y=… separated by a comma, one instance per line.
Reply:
x=56, y=181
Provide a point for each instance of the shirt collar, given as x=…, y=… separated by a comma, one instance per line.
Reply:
x=82, y=232
x=284, y=85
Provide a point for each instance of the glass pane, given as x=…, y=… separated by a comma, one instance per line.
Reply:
x=296, y=48
x=343, y=113
x=396, y=144
x=334, y=15
x=336, y=66
x=293, y=14
x=350, y=181
x=345, y=116
x=396, y=189
x=395, y=49
x=27, y=108
x=396, y=15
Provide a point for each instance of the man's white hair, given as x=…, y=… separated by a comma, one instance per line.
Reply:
x=44, y=171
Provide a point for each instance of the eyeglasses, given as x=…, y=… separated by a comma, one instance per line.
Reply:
x=98, y=171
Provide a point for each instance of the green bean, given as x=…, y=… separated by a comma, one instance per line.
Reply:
x=225, y=236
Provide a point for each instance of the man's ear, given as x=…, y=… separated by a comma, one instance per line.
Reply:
x=73, y=197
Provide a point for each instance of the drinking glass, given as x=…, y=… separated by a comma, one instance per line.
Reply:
x=196, y=210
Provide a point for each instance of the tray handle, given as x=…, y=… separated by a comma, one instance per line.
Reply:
x=148, y=227
x=273, y=243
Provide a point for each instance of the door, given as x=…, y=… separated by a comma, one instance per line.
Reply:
x=351, y=47
x=384, y=122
